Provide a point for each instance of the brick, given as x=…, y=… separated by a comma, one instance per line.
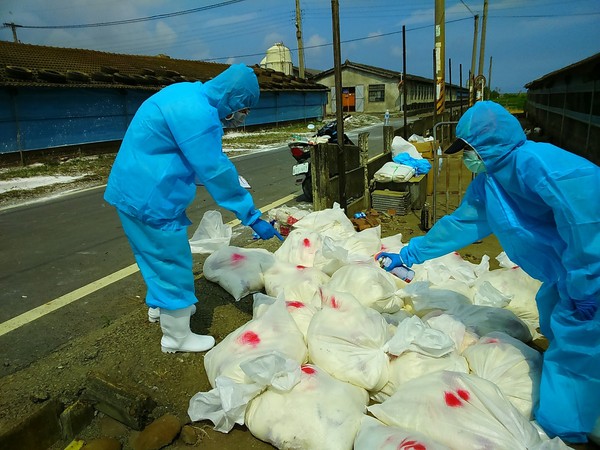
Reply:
x=121, y=401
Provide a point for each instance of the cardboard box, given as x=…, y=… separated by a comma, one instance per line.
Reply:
x=426, y=149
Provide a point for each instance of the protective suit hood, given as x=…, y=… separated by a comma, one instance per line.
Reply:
x=233, y=89
x=492, y=131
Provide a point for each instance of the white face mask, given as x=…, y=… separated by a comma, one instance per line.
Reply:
x=473, y=162
x=235, y=119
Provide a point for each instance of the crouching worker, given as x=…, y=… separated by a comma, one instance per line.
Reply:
x=541, y=203
x=173, y=141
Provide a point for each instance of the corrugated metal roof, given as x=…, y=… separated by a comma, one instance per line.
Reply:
x=590, y=65
x=36, y=65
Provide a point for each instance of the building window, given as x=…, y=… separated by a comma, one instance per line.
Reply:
x=376, y=92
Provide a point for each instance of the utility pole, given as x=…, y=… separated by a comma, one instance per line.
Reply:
x=339, y=113
x=13, y=26
x=473, y=61
x=482, y=45
x=404, y=88
x=439, y=49
x=299, y=38
x=489, y=80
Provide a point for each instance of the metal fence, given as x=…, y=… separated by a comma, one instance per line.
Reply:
x=450, y=177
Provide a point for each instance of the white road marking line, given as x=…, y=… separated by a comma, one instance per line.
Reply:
x=64, y=300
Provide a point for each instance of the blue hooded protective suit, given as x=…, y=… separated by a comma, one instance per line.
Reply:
x=541, y=203
x=173, y=141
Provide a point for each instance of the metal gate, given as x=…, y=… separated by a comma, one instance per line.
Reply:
x=450, y=176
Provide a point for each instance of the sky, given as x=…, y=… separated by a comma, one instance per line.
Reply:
x=525, y=39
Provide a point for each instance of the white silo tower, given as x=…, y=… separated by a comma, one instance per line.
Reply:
x=278, y=58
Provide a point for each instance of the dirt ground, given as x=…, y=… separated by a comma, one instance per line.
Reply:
x=127, y=351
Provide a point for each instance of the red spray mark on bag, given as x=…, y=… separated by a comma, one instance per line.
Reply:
x=455, y=401
x=249, y=338
x=236, y=258
x=306, y=242
x=308, y=370
x=334, y=303
x=411, y=445
x=295, y=304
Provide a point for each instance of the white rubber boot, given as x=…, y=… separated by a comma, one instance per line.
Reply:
x=154, y=314
x=177, y=336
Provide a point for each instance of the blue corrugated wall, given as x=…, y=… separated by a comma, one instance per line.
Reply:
x=40, y=118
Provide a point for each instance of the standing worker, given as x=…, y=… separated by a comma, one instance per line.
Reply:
x=386, y=117
x=541, y=203
x=173, y=140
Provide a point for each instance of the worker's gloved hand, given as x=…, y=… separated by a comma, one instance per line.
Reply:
x=397, y=259
x=264, y=230
x=393, y=260
x=585, y=309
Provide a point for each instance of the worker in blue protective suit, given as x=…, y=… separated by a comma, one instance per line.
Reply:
x=541, y=202
x=174, y=141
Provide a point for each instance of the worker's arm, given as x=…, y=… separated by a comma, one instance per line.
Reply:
x=452, y=232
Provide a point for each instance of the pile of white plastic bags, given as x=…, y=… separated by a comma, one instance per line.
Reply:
x=340, y=354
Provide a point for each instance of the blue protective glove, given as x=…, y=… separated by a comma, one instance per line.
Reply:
x=394, y=258
x=264, y=230
x=397, y=259
x=585, y=309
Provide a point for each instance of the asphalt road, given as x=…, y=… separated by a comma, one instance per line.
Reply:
x=68, y=255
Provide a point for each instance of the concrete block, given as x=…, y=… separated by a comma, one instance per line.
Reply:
x=75, y=418
x=121, y=401
x=39, y=430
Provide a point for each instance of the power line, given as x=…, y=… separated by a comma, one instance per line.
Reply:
x=364, y=38
x=128, y=21
x=472, y=13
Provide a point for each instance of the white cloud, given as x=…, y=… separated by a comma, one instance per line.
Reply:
x=230, y=20
x=272, y=39
x=315, y=41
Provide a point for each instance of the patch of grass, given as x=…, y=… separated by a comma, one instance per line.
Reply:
x=87, y=165
x=267, y=136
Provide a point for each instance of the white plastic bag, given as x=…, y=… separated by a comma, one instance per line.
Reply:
x=273, y=331
x=238, y=270
x=301, y=312
x=459, y=410
x=371, y=285
x=374, y=435
x=346, y=339
x=484, y=319
x=414, y=335
x=331, y=222
x=516, y=286
x=421, y=297
x=294, y=283
x=411, y=365
x=211, y=234
x=450, y=267
x=302, y=248
x=392, y=244
x=510, y=364
x=319, y=412
x=399, y=145
x=225, y=405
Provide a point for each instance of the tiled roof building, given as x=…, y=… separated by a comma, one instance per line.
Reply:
x=58, y=97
